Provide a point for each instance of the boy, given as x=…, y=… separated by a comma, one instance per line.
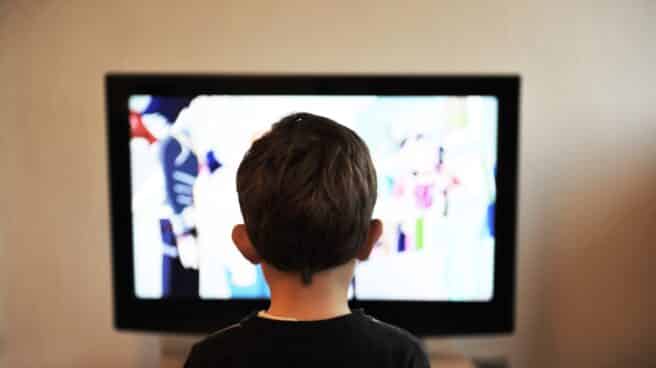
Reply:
x=307, y=190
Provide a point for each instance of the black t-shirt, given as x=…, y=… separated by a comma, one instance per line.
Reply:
x=354, y=340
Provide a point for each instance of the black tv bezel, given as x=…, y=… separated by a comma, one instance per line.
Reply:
x=422, y=318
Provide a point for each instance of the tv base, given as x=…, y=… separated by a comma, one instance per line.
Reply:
x=174, y=351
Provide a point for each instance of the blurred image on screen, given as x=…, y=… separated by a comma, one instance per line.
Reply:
x=435, y=158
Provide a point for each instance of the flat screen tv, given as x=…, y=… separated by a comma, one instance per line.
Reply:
x=445, y=150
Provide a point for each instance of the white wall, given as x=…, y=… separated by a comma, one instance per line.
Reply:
x=588, y=164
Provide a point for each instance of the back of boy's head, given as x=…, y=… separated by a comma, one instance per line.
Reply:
x=307, y=190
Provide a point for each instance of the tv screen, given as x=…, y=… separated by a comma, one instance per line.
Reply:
x=445, y=153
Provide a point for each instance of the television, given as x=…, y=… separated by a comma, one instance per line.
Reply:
x=445, y=150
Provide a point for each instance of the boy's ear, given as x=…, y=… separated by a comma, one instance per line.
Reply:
x=375, y=230
x=243, y=242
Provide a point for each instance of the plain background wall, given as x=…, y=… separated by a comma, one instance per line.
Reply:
x=587, y=208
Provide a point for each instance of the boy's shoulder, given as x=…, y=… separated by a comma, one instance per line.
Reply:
x=398, y=340
x=224, y=337
x=379, y=328
x=216, y=347
x=359, y=335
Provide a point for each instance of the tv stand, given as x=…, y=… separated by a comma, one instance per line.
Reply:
x=174, y=350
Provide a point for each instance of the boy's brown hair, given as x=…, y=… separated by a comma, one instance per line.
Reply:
x=307, y=190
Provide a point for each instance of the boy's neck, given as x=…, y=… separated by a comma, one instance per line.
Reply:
x=326, y=297
x=307, y=305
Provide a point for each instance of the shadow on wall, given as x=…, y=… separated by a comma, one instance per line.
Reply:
x=600, y=291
